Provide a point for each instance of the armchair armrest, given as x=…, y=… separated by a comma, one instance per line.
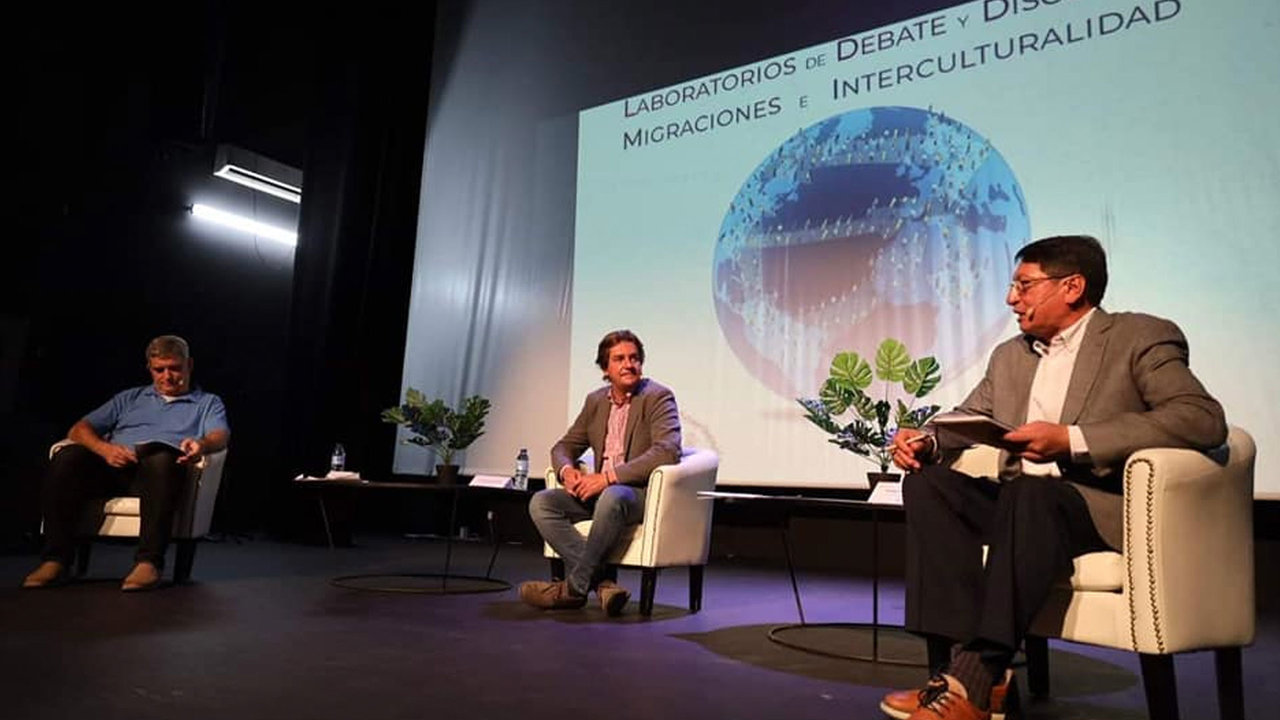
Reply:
x=677, y=521
x=57, y=447
x=1188, y=546
x=206, y=479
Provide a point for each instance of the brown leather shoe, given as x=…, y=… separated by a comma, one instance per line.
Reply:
x=947, y=701
x=50, y=573
x=144, y=576
x=550, y=595
x=613, y=597
x=1004, y=699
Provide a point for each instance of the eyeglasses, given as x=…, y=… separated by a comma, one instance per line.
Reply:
x=1021, y=286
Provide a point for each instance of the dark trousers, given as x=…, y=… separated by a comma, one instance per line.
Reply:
x=1033, y=527
x=77, y=476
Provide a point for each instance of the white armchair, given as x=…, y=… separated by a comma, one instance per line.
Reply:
x=121, y=516
x=1184, y=582
x=676, y=529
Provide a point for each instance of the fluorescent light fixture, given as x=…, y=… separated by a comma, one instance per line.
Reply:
x=261, y=183
x=258, y=172
x=244, y=224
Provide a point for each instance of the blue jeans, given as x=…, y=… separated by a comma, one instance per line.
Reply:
x=555, y=511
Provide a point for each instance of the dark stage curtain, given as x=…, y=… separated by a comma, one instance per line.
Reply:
x=354, y=258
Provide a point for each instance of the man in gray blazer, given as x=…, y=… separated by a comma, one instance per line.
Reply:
x=1084, y=389
x=631, y=426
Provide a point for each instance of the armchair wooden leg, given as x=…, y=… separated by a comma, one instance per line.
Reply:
x=1230, y=683
x=184, y=556
x=557, y=568
x=82, y=558
x=648, y=584
x=1161, y=687
x=695, y=587
x=1036, y=649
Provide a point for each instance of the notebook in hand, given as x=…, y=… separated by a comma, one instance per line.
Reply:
x=975, y=429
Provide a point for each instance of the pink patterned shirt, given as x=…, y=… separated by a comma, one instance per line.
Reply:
x=615, y=443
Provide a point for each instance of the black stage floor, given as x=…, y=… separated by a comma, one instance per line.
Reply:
x=261, y=633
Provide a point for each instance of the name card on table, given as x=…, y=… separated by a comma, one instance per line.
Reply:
x=886, y=493
x=340, y=475
x=490, y=481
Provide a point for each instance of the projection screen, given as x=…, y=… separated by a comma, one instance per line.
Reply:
x=764, y=209
x=751, y=223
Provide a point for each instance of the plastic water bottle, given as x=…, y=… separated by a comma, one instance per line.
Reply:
x=521, y=479
x=338, y=460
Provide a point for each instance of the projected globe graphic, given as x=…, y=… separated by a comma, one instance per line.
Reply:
x=878, y=222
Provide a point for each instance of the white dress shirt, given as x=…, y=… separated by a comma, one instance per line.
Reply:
x=1049, y=391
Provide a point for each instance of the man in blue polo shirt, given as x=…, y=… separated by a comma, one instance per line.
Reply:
x=140, y=442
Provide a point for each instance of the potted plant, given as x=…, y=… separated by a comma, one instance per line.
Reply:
x=435, y=425
x=874, y=421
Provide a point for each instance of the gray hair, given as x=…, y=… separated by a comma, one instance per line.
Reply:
x=168, y=346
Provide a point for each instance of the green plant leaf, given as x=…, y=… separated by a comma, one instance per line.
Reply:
x=851, y=369
x=394, y=416
x=844, y=391
x=864, y=406
x=922, y=377
x=882, y=410
x=467, y=425
x=816, y=413
x=900, y=412
x=433, y=424
x=851, y=446
x=414, y=398
x=919, y=417
x=892, y=360
x=837, y=395
x=858, y=437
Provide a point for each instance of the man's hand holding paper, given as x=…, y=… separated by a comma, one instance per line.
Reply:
x=1040, y=441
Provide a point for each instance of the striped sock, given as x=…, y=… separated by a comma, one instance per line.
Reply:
x=969, y=670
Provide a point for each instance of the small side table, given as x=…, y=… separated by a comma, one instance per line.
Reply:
x=448, y=583
x=786, y=505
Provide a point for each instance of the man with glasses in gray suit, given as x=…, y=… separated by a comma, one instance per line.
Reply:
x=1084, y=389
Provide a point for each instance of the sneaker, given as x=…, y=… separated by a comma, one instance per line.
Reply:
x=901, y=703
x=50, y=573
x=613, y=597
x=550, y=595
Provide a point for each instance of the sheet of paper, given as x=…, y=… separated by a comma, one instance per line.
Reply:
x=493, y=481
